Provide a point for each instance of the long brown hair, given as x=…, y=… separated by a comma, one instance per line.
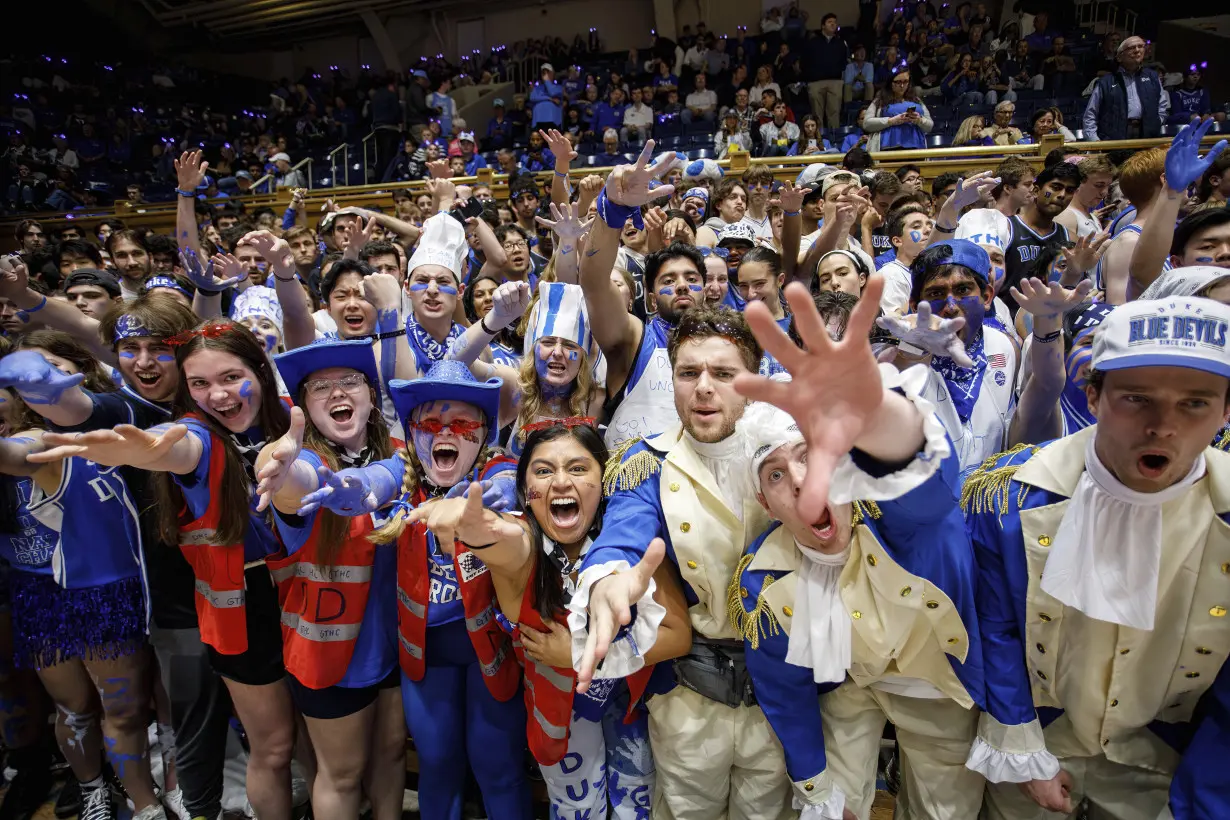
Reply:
x=273, y=418
x=886, y=93
x=60, y=344
x=333, y=527
x=583, y=388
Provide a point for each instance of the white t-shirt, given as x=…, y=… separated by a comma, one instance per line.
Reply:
x=706, y=99
x=897, y=283
x=639, y=116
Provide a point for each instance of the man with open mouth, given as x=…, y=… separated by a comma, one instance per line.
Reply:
x=1102, y=560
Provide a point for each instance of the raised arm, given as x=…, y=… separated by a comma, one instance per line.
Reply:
x=561, y=149
x=969, y=190
x=189, y=174
x=298, y=329
x=1184, y=165
x=790, y=200
x=54, y=313
x=493, y=251
x=1037, y=417
x=166, y=448
x=211, y=279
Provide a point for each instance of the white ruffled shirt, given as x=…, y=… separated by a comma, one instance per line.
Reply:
x=726, y=462
x=1107, y=552
x=820, y=639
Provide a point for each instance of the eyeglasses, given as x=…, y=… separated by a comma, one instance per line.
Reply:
x=515, y=246
x=458, y=427
x=351, y=383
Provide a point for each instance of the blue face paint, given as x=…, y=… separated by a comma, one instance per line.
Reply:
x=417, y=286
x=915, y=236
x=165, y=358
x=270, y=342
x=449, y=289
x=695, y=288
x=125, y=354
x=666, y=292
x=1204, y=260
x=422, y=445
x=1077, y=358
x=245, y=390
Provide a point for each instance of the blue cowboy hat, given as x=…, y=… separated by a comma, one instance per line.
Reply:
x=448, y=381
x=296, y=365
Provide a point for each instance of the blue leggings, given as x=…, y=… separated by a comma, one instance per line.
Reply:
x=452, y=718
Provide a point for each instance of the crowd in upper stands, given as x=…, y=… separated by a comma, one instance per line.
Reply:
x=81, y=135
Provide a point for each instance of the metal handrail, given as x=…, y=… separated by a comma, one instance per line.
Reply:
x=308, y=162
x=270, y=178
x=344, y=150
x=368, y=138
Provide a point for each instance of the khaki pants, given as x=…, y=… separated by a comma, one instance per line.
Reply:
x=714, y=762
x=825, y=97
x=934, y=737
x=1115, y=792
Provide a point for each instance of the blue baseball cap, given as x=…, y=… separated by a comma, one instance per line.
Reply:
x=969, y=255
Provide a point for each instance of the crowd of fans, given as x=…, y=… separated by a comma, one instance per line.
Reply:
x=922, y=76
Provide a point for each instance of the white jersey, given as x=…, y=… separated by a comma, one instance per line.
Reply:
x=1085, y=224
x=897, y=283
x=648, y=405
x=986, y=431
x=763, y=229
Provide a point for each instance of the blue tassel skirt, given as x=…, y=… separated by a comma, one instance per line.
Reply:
x=52, y=624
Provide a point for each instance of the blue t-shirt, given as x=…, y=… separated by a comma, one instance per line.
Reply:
x=30, y=548
x=375, y=650
x=259, y=540
x=444, y=604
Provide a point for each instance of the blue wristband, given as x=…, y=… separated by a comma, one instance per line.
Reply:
x=791, y=213
x=189, y=194
x=615, y=215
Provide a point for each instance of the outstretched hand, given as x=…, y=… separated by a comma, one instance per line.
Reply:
x=566, y=222
x=969, y=191
x=934, y=334
x=610, y=607
x=1184, y=165
x=464, y=518
x=347, y=492
x=125, y=445
x=35, y=379
x=628, y=185
x=1048, y=300
x=836, y=385
x=790, y=198
x=204, y=274
x=274, y=473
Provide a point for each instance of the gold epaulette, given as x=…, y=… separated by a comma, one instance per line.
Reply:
x=630, y=474
x=986, y=488
x=760, y=622
x=1222, y=440
x=862, y=510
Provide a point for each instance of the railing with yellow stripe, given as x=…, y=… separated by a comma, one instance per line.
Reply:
x=160, y=217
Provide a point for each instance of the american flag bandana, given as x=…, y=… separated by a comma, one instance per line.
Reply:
x=964, y=385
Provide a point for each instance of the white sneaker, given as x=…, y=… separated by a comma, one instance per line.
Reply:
x=154, y=812
x=174, y=803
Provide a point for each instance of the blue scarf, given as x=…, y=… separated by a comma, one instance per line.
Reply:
x=964, y=385
x=427, y=351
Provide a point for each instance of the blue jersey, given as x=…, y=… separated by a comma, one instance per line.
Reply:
x=28, y=549
x=375, y=650
x=98, y=536
x=501, y=354
x=445, y=598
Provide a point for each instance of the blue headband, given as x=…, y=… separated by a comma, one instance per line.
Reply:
x=160, y=281
x=129, y=327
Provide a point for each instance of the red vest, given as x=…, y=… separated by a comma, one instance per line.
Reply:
x=549, y=689
x=323, y=604
x=491, y=644
x=218, y=567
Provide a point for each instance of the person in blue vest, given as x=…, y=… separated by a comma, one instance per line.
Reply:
x=72, y=543
x=342, y=665
x=1129, y=103
x=1102, y=561
x=874, y=604
x=547, y=97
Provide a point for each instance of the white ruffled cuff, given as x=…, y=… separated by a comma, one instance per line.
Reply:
x=827, y=803
x=850, y=483
x=1011, y=754
x=626, y=654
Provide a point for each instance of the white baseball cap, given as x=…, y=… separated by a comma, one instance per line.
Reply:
x=1179, y=332
x=547, y=67
x=281, y=155
x=737, y=232
x=466, y=136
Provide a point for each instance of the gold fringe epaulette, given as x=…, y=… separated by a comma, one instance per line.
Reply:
x=630, y=474
x=986, y=489
x=864, y=510
x=1222, y=440
x=758, y=623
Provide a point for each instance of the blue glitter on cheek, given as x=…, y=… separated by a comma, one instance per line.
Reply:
x=124, y=354
x=245, y=390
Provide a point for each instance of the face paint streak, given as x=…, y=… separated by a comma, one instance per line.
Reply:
x=416, y=287
x=245, y=390
x=1076, y=360
x=666, y=292
x=915, y=236
x=124, y=354
x=422, y=446
x=696, y=288
x=271, y=342
x=532, y=495
x=164, y=358
x=1204, y=260
x=448, y=289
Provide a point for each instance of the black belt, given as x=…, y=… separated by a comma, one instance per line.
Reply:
x=716, y=669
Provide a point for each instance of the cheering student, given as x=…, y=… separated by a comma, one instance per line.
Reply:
x=227, y=408
x=1113, y=540
x=580, y=740
x=874, y=603
x=73, y=545
x=338, y=588
x=459, y=683
x=972, y=365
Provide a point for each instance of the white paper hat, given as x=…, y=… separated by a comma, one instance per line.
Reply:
x=764, y=428
x=985, y=226
x=560, y=312
x=443, y=243
x=258, y=300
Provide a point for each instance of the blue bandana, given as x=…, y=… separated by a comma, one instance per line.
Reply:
x=427, y=351
x=161, y=281
x=129, y=327
x=964, y=385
